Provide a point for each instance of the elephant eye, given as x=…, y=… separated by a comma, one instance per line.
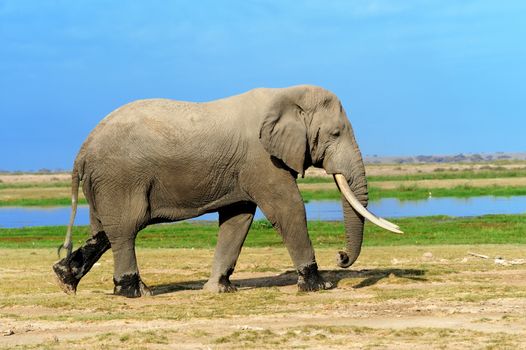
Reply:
x=335, y=132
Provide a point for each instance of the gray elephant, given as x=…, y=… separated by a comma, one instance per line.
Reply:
x=160, y=160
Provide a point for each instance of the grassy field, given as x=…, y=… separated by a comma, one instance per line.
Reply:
x=422, y=289
x=398, y=297
x=489, y=229
x=487, y=172
x=405, y=192
x=405, y=182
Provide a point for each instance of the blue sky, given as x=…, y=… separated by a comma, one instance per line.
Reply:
x=416, y=77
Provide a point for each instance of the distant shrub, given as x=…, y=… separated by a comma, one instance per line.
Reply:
x=476, y=158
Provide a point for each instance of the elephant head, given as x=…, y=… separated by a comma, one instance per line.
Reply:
x=307, y=125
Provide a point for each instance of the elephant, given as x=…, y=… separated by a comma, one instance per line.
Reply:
x=161, y=160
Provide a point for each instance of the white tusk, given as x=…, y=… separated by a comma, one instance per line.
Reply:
x=388, y=222
x=355, y=203
x=361, y=208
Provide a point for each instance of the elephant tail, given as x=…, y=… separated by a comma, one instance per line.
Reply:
x=75, y=180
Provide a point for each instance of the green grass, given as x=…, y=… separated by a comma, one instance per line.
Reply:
x=485, y=173
x=415, y=193
x=489, y=229
x=39, y=202
x=463, y=191
x=315, y=180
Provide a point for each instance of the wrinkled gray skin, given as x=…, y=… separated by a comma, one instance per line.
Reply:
x=161, y=160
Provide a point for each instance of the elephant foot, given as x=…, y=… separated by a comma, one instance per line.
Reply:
x=65, y=277
x=70, y=270
x=223, y=285
x=130, y=286
x=309, y=279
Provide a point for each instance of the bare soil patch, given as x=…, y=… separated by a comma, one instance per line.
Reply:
x=393, y=297
x=34, y=178
x=406, y=169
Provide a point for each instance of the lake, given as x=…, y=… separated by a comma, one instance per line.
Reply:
x=316, y=210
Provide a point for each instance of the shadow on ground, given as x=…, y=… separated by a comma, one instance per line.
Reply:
x=289, y=278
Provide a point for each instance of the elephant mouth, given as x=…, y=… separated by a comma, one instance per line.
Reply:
x=344, y=188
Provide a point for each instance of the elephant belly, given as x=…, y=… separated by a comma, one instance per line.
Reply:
x=176, y=200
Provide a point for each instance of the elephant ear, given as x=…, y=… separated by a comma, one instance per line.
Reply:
x=284, y=135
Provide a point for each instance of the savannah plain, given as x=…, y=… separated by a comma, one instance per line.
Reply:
x=457, y=283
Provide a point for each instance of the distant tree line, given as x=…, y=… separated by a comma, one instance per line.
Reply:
x=458, y=158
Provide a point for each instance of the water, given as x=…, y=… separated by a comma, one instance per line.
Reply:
x=316, y=210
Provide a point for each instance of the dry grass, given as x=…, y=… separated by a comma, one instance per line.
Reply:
x=34, y=178
x=426, y=168
x=394, y=297
x=12, y=194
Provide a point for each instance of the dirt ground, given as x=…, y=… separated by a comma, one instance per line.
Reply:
x=34, y=178
x=431, y=297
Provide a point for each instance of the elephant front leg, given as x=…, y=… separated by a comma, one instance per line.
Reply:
x=286, y=211
x=309, y=279
x=234, y=223
x=71, y=269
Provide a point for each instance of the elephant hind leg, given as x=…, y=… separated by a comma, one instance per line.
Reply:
x=126, y=276
x=122, y=230
x=70, y=270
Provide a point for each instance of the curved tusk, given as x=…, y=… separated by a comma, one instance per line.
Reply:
x=388, y=222
x=361, y=209
x=355, y=203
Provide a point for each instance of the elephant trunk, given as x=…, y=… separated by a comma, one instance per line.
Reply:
x=354, y=201
x=346, y=165
x=353, y=221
